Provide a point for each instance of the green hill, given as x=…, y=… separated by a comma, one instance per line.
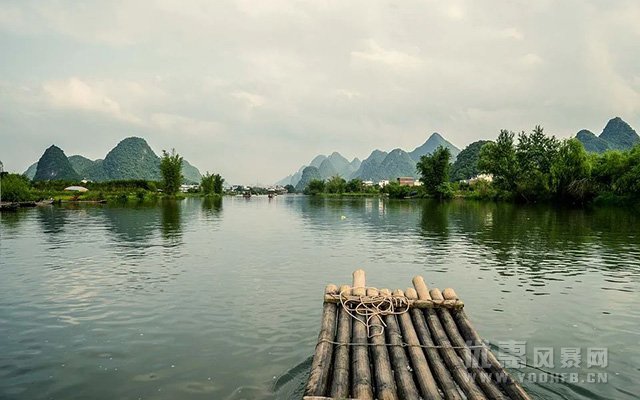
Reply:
x=466, y=165
x=308, y=174
x=54, y=165
x=132, y=158
x=616, y=135
x=81, y=165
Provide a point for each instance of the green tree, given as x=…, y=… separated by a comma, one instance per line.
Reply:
x=15, y=187
x=499, y=159
x=171, y=170
x=570, y=171
x=536, y=153
x=218, y=182
x=434, y=171
x=355, y=186
x=206, y=184
x=466, y=164
x=397, y=191
x=315, y=187
x=335, y=185
x=290, y=188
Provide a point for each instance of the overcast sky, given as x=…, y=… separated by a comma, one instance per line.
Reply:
x=253, y=89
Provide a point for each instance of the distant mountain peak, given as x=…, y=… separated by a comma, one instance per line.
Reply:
x=54, y=165
x=433, y=142
x=616, y=135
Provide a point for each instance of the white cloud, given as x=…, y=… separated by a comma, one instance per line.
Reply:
x=76, y=94
x=375, y=53
x=250, y=100
x=308, y=77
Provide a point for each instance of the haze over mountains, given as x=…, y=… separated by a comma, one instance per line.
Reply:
x=380, y=165
x=132, y=158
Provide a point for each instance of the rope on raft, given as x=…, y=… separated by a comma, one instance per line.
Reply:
x=366, y=308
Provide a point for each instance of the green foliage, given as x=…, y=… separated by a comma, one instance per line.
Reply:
x=315, y=187
x=290, y=188
x=499, y=159
x=218, y=181
x=398, y=191
x=171, y=169
x=15, y=187
x=570, y=171
x=466, y=164
x=434, y=171
x=355, y=186
x=335, y=185
x=206, y=184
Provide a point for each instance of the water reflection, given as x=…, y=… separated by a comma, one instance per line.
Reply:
x=171, y=225
x=11, y=220
x=132, y=224
x=212, y=205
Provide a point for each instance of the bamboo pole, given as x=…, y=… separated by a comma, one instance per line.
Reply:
x=361, y=384
x=321, y=364
x=340, y=381
x=483, y=379
x=440, y=371
x=513, y=389
x=455, y=365
x=404, y=378
x=416, y=303
x=385, y=385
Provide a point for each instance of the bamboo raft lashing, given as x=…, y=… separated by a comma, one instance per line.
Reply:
x=416, y=344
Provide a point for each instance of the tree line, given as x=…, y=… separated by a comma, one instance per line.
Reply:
x=536, y=167
x=18, y=188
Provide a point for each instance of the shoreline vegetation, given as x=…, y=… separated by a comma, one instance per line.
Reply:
x=18, y=189
x=530, y=168
x=534, y=169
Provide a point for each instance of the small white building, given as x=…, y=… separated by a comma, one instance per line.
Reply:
x=383, y=183
x=481, y=177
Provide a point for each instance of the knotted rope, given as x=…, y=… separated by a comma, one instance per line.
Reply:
x=369, y=310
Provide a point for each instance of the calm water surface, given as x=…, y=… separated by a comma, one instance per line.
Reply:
x=205, y=300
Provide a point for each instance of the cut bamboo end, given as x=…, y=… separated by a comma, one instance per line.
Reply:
x=372, y=292
x=436, y=295
x=450, y=294
x=331, y=289
x=411, y=294
x=421, y=288
x=359, y=283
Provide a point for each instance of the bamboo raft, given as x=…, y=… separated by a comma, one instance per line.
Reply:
x=417, y=344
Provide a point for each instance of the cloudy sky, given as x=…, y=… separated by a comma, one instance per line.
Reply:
x=253, y=89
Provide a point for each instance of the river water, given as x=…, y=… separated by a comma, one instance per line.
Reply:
x=198, y=299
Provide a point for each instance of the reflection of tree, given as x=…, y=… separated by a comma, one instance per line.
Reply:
x=171, y=226
x=132, y=224
x=434, y=220
x=52, y=219
x=212, y=205
x=11, y=220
